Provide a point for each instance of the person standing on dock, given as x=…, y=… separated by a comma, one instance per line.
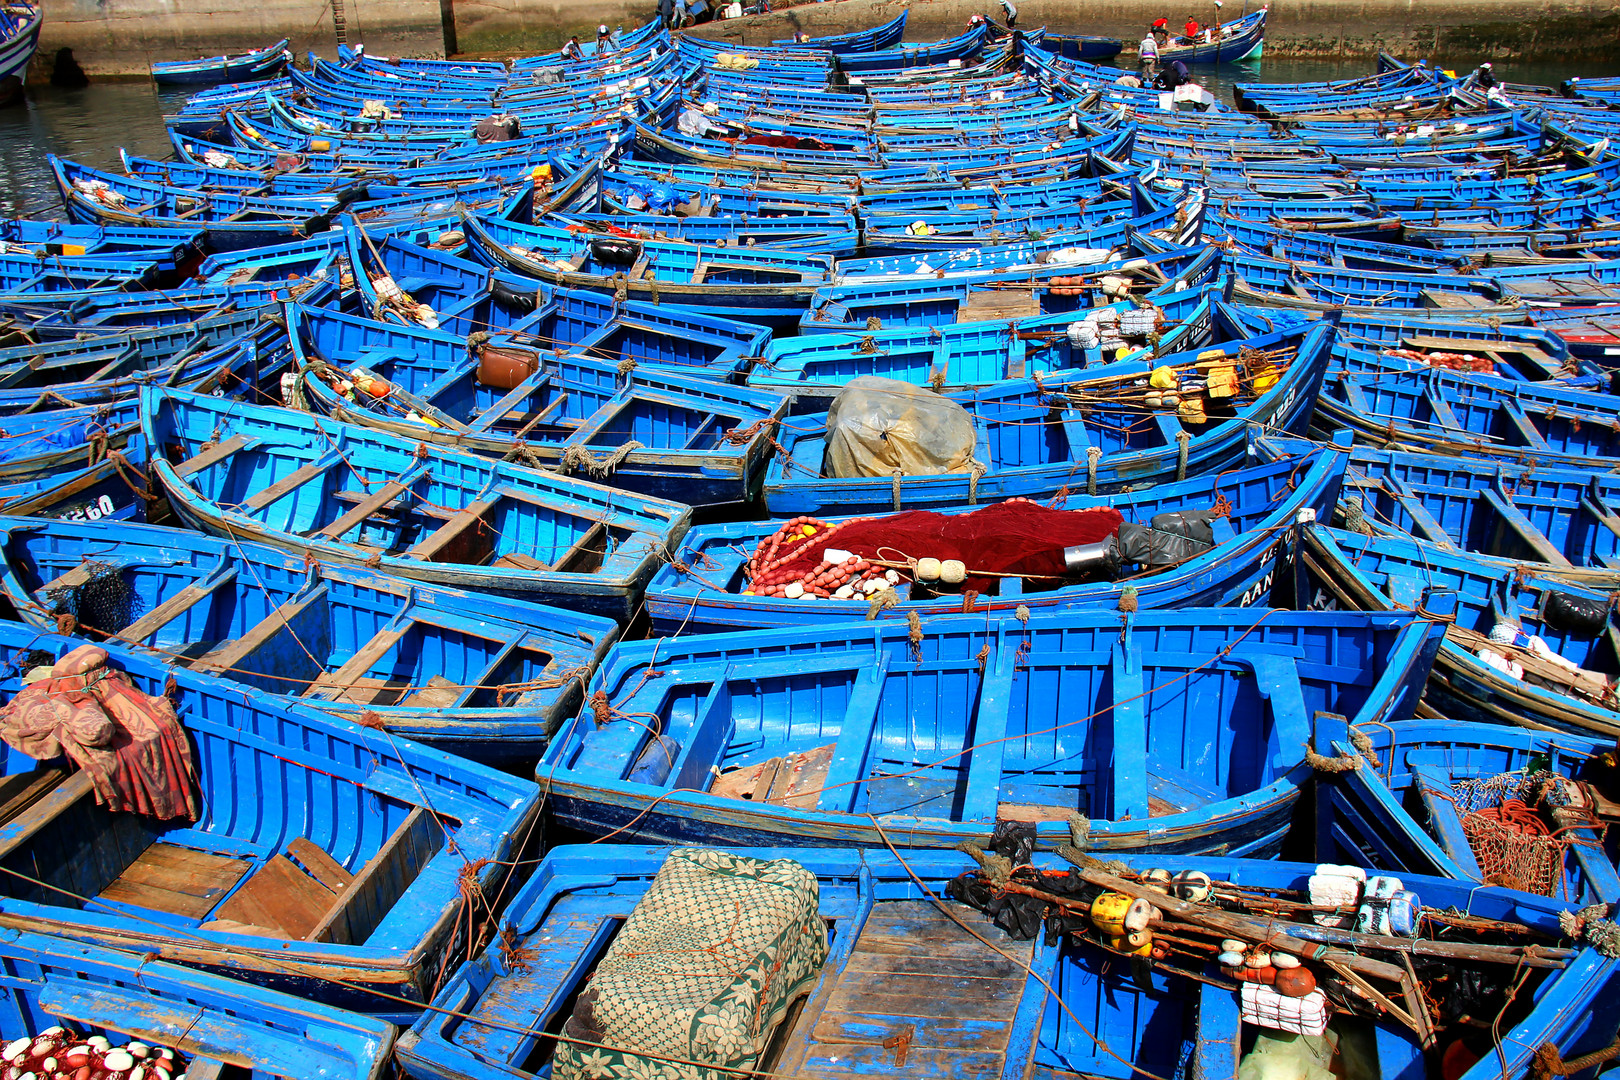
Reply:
x=666, y=13
x=1011, y=12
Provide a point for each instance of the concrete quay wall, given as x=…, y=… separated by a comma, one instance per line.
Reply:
x=121, y=37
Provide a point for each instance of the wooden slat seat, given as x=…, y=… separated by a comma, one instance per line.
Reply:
x=278, y=897
x=228, y=655
x=452, y=535
x=362, y=660
x=172, y=608
x=218, y=452
x=289, y=483
x=356, y=910
x=72, y=579
x=22, y=826
x=916, y=976
x=516, y=560
x=364, y=509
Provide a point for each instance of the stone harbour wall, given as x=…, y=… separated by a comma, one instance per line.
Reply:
x=121, y=37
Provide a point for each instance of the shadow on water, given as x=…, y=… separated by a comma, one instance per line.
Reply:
x=87, y=125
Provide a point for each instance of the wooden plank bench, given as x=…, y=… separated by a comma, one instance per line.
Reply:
x=362, y=661
x=291, y=482
x=180, y=602
x=226, y=657
x=361, y=905
x=367, y=506
x=452, y=537
x=22, y=826
x=218, y=452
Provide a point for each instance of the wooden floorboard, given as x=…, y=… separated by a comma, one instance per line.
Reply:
x=178, y=880
x=916, y=979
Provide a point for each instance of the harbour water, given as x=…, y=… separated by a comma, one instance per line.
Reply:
x=90, y=125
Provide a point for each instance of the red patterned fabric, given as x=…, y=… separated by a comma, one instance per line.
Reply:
x=1015, y=537
x=131, y=744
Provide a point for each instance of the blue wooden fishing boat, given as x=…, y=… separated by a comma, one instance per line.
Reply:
x=885, y=36
x=982, y=288
x=110, y=487
x=215, y=1023
x=107, y=366
x=1095, y=426
x=649, y=429
x=265, y=63
x=715, y=592
x=1561, y=522
x=483, y=677
x=20, y=23
x=465, y=298
x=814, y=368
x=328, y=859
x=770, y=287
x=1228, y=43
x=38, y=447
x=1093, y=50
x=1473, y=415
x=1129, y=722
x=909, y=966
x=1434, y=804
x=284, y=478
x=1524, y=650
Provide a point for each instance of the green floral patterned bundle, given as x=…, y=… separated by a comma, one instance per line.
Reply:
x=701, y=974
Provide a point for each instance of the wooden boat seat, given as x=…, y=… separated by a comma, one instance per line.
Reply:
x=178, y=880
x=998, y=304
x=77, y=576
x=1435, y=790
x=350, y=683
x=1453, y=301
x=182, y=601
x=20, y=791
x=1278, y=680
x=291, y=482
x=216, y=1045
x=385, y=498
x=357, y=908
x=902, y=986
x=1514, y=519
x=227, y=655
x=465, y=538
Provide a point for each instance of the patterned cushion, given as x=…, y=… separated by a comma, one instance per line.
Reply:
x=703, y=971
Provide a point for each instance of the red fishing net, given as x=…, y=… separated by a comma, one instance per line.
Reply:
x=1017, y=537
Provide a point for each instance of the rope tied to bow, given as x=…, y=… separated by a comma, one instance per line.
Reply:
x=577, y=458
x=1343, y=763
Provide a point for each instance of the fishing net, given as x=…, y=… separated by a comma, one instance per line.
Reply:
x=1015, y=538
x=1510, y=841
x=99, y=598
x=703, y=971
